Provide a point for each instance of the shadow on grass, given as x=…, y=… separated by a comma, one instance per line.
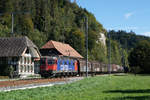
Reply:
x=120, y=75
x=129, y=91
x=132, y=98
x=143, y=74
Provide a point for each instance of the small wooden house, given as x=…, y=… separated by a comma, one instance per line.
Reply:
x=54, y=48
x=19, y=52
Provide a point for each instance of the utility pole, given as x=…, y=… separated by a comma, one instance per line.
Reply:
x=12, y=24
x=12, y=19
x=109, y=67
x=86, y=31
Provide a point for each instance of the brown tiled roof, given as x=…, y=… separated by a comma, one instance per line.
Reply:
x=14, y=46
x=64, y=49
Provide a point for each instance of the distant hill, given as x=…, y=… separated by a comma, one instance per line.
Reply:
x=128, y=40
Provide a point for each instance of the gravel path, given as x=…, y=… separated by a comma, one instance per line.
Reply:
x=35, y=85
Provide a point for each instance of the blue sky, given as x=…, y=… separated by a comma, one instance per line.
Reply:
x=121, y=14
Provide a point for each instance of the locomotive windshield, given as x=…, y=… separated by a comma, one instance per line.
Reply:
x=51, y=61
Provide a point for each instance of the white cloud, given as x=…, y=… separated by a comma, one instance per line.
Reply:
x=146, y=34
x=127, y=28
x=132, y=28
x=128, y=15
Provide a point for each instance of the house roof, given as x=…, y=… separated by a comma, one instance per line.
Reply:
x=64, y=49
x=15, y=46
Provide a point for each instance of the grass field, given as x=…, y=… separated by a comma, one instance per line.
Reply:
x=128, y=87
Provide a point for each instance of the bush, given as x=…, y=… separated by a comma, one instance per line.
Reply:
x=4, y=77
x=140, y=57
x=135, y=70
x=9, y=71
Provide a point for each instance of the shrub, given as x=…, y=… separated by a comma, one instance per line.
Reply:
x=9, y=71
x=140, y=57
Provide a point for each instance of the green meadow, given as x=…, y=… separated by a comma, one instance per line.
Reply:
x=123, y=87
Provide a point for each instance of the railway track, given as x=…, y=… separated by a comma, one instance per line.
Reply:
x=11, y=83
x=34, y=83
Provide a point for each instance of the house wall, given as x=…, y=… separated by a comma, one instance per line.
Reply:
x=22, y=65
x=26, y=65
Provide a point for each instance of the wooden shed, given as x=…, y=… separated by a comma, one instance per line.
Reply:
x=19, y=52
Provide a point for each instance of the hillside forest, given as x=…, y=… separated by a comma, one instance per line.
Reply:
x=64, y=21
x=59, y=20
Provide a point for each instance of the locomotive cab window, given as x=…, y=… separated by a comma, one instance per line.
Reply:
x=51, y=61
x=43, y=61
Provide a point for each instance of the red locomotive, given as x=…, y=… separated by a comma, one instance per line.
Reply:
x=58, y=66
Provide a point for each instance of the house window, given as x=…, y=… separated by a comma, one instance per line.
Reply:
x=14, y=60
x=29, y=60
x=27, y=51
x=28, y=68
x=25, y=68
x=31, y=68
x=15, y=67
x=25, y=60
x=9, y=60
x=21, y=68
x=22, y=60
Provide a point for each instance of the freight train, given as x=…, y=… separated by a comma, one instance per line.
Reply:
x=64, y=66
